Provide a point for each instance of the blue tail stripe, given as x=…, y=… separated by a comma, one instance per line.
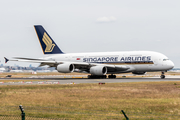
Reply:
x=47, y=43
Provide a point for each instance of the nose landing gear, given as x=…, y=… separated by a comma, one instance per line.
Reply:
x=162, y=75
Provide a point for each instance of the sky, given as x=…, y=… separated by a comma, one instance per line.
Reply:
x=90, y=26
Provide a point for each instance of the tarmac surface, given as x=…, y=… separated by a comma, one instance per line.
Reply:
x=56, y=80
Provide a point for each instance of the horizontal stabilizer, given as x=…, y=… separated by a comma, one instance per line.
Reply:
x=29, y=58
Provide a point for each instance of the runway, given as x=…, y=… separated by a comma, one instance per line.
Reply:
x=54, y=80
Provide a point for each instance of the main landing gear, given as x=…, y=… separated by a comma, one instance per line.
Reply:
x=162, y=75
x=101, y=76
x=97, y=76
x=111, y=76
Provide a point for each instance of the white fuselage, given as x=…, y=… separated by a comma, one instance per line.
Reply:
x=137, y=61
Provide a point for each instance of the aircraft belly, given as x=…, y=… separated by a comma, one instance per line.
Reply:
x=142, y=67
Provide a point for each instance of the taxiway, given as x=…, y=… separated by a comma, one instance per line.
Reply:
x=54, y=80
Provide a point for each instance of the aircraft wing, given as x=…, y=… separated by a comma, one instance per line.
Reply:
x=83, y=66
x=51, y=63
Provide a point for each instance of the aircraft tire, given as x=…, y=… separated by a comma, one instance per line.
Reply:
x=104, y=76
x=89, y=76
x=111, y=76
x=97, y=76
x=162, y=76
x=114, y=76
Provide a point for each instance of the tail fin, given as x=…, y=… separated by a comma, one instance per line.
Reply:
x=6, y=60
x=47, y=44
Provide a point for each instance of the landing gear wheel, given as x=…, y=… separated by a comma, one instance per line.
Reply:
x=104, y=76
x=162, y=76
x=89, y=76
x=111, y=76
x=96, y=76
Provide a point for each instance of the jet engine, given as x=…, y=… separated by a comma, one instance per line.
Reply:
x=65, y=68
x=139, y=73
x=98, y=70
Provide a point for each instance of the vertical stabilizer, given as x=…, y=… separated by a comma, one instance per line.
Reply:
x=47, y=44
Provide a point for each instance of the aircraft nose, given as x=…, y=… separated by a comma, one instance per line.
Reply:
x=170, y=64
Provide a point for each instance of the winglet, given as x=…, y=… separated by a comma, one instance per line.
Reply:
x=6, y=60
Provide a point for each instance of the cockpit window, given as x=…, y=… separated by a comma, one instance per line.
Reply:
x=165, y=59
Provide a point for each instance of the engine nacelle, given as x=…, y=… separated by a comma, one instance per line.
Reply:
x=65, y=68
x=98, y=70
x=139, y=73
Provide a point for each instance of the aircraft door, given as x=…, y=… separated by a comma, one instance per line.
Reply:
x=68, y=57
x=153, y=65
x=155, y=62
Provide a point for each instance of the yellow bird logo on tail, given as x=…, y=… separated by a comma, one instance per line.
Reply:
x=48, y=42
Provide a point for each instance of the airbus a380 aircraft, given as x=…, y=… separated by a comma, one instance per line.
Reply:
x=98, y=64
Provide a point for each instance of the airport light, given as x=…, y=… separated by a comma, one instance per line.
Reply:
x=22, y=112
x=125, y=115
